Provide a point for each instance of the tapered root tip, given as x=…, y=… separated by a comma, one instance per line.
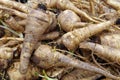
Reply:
x=23, y=66
x=22, y=70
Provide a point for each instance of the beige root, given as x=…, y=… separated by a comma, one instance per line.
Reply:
x=12, y=23
x=50, y=36
x=14, y=12
x=6, y=53
x=14, y=74
x=15, y=5
x=113, y=3
x=36, y=26
x=72, y=39
x=32, y=3
x=111, y=39
x=45, y=57
x=68, y=20
x=78, y=74
x=3, y=64
x=105, y=52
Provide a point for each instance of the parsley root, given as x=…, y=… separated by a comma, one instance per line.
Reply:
x=111, y=39
x=45, y=57
x=72, y=39
x=68, y=20
x=103, y=51
x=38, y=22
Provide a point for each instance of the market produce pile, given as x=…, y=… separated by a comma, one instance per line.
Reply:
x=59, y=39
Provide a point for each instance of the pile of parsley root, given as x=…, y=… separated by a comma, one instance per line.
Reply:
x=59, y=39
